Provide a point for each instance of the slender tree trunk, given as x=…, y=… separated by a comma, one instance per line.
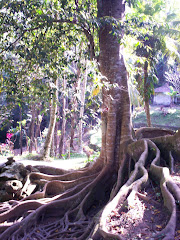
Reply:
x=72, y=131
x=63, y=129
x=21, y=133
x=56, y=138
x=147, y=110
x=52, y=150
x=146, y=95
x=38, y=129
x=53, y=112
x=32, y=126
x=83, y=91
x=116, y=127
x=74, y=110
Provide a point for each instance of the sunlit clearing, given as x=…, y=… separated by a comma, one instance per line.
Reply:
x=96, y=137
x=171, y=110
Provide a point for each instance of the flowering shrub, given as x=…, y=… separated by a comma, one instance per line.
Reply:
x=9, y=136
x=6, y=148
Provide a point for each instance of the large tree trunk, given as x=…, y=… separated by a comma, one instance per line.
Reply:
x=116, y=129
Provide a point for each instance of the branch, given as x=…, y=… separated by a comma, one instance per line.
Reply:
x=87, y=32
x=13, y=43
x=91, y=41
x=74, y=22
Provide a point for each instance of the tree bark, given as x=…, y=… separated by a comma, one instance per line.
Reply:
x=116, y=128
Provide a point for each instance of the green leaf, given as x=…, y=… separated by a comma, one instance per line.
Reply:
x=39, y=11
x=137, y=44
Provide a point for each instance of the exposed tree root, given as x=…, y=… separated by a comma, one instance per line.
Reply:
x=148, y=132
x=68, y=204
x=65, y=201
x=126, y=195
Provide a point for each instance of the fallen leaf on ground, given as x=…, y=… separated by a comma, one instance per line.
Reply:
x=158, y=226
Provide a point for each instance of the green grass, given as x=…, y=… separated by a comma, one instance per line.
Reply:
x=77, y=155
x=73, y=156
x=167, y=118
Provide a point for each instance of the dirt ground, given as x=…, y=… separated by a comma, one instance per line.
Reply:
x=65, y=164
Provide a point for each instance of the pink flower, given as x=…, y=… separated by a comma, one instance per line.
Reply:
x=9, y=135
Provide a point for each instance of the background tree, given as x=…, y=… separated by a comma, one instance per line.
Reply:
x=151, y=40
x=148, y=44
x=174, y=79
x=62, y=139
x=53, y=113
